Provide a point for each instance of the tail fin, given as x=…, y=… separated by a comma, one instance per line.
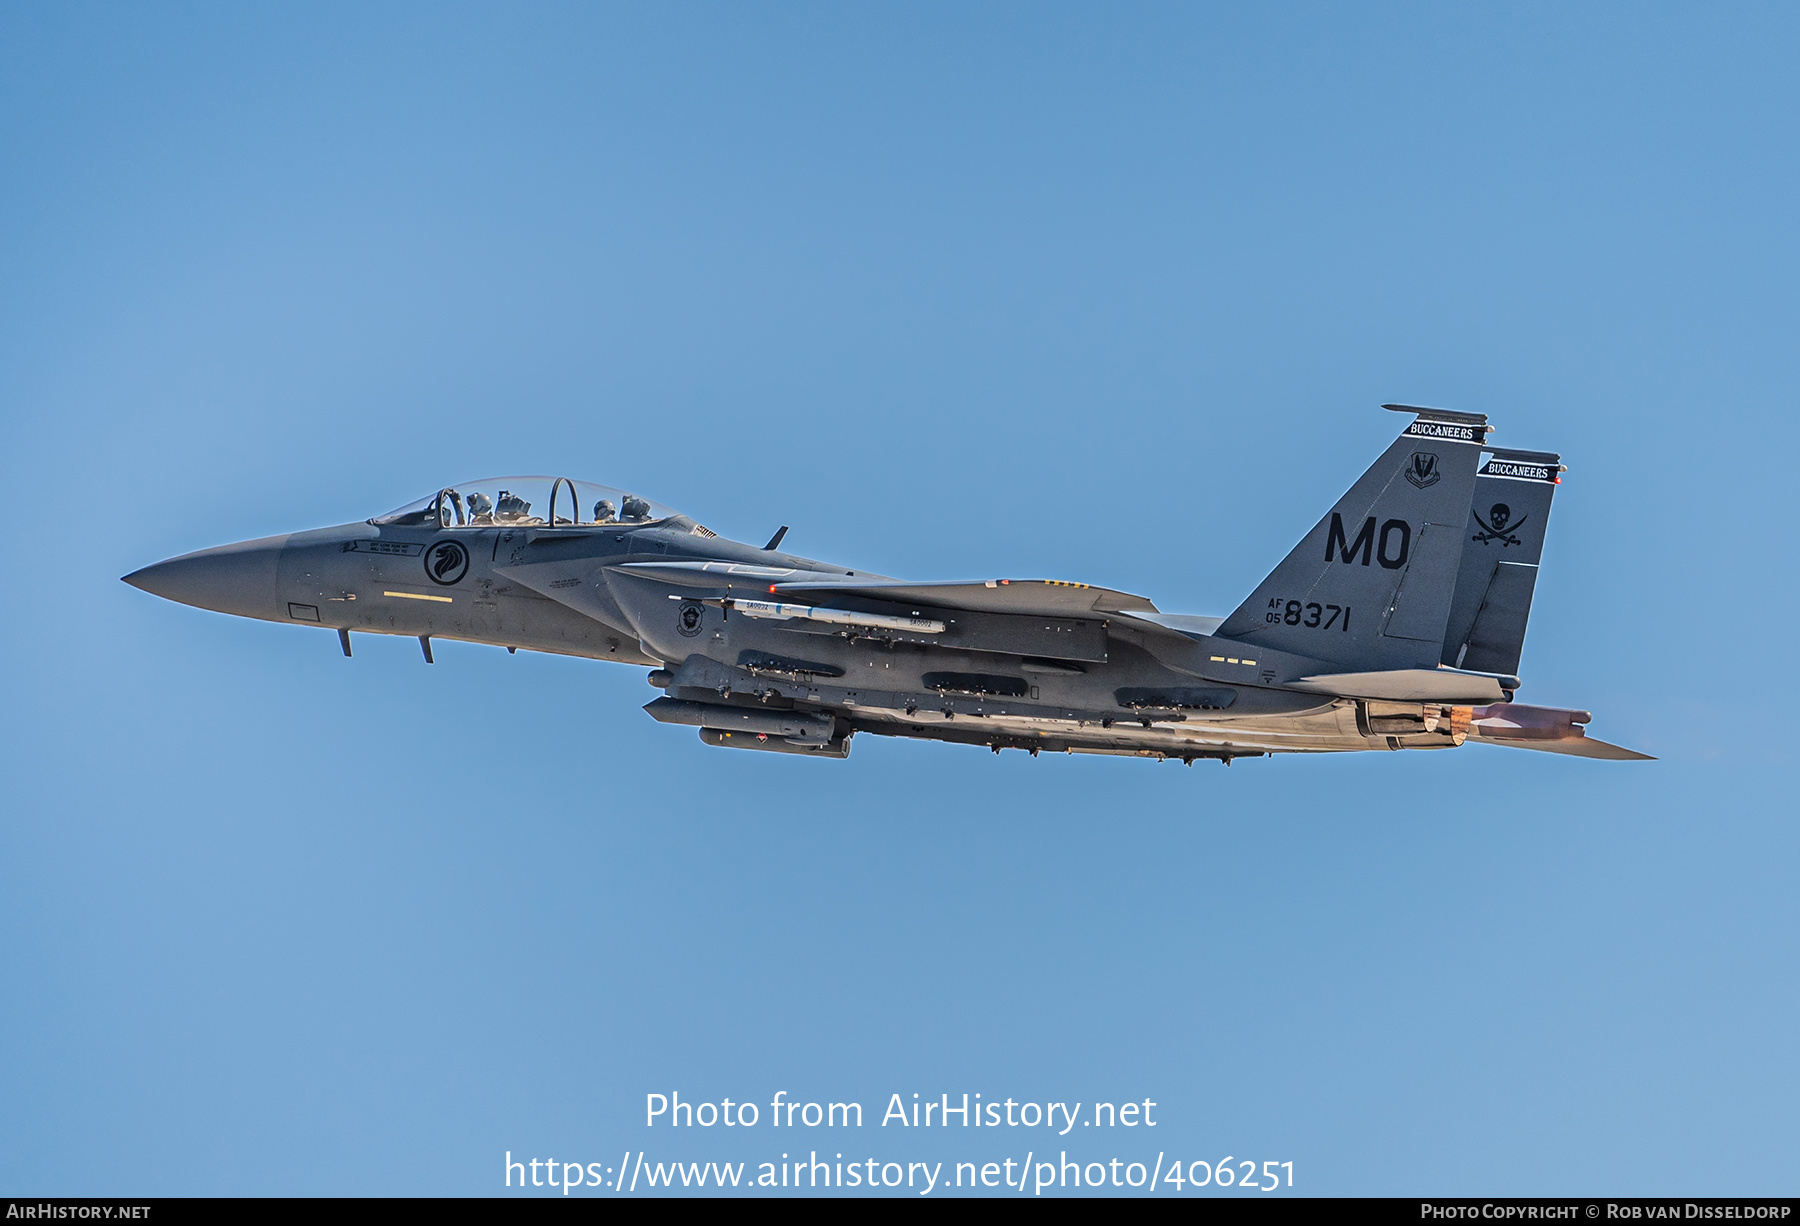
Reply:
x=1369, y=587
x=1486, y=630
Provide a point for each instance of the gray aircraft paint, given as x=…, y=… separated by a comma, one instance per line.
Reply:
x=1503, y=541
x=769, y=650
x=1369, y=587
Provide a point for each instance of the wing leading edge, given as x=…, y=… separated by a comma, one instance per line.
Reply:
x=1042, y=597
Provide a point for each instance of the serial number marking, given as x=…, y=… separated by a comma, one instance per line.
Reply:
x=1312, y=615
x=1226, y=1172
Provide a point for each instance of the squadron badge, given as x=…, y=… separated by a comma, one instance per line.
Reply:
x=1422, y=470
x=447, y=562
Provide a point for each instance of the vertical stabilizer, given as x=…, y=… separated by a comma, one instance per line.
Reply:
x=1369, y=587
x=1503, y=539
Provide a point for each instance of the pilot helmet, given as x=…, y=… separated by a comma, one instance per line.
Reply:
x=604, y=511
x=636, y=508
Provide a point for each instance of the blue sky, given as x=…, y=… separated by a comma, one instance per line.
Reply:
x=1099, y=293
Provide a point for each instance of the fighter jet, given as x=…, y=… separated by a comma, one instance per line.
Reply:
x=1396, y=623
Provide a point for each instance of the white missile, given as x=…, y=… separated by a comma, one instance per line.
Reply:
x=780, y=611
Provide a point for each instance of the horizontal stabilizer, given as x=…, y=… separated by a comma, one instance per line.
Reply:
x=1550, y=729
x=1409, y=685
x=1580, y=747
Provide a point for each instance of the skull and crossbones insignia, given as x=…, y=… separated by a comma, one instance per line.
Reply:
x=1500, y=526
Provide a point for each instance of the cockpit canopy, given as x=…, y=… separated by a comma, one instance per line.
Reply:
x=507, y=502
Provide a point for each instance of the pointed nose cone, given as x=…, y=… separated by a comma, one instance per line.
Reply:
x=238, y=579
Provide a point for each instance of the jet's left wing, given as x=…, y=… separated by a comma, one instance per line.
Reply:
x=1041, y=618
x=1034, y=597
x=1030, y=597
